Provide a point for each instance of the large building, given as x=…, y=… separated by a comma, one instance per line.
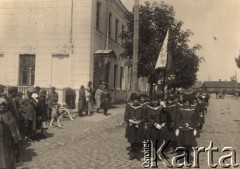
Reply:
x=220, y=86
x=63, y=43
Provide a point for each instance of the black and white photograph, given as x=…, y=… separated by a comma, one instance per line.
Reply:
x=119, y=84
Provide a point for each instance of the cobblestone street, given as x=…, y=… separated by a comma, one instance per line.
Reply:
x=98, y=141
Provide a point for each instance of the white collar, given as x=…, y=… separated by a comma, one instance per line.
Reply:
x=154, y=108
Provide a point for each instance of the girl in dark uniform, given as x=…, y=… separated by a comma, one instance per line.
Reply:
x=187, y=126
x=171, y=119
x=143, y=102
x=134, y=130
x=157, y=122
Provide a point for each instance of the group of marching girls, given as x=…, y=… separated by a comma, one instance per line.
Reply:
x=177, y=118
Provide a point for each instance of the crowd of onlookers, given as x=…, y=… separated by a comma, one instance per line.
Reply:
x=88, y=97
x=23, y=120
x=26, y=119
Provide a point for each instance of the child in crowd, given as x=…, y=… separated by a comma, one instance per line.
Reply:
x=56, y=113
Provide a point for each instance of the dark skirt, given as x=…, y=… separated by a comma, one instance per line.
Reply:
x=106, y=104
x=186, y=138
x=171, y=134
x=134, y=135
x=81, y=104
x=147, y=132
x=202, y=120
x=157, y=136
x=38, y=124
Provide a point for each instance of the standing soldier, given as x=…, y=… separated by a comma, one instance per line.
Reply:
x=157, y=122
x=134, y=130
x=105, y=99
x=187, y=125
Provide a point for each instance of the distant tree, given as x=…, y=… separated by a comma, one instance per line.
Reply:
x=154, y=21
x=237, y=60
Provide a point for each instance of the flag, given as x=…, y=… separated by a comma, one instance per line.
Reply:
x=162, y=58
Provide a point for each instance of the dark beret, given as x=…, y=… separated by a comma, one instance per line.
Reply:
x=155, y=97
x=134, y=96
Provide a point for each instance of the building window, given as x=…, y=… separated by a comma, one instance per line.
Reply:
x=109, y=24
x=123, y=29
x=115, y=76
x=27, y=70
x=121, y=77
x=116, y=30
x=98, y=12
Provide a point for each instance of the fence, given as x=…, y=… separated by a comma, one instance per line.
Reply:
x=23, y=89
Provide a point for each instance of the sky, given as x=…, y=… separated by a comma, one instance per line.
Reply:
x=216, y=27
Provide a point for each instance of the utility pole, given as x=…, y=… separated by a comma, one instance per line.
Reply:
x=134, y=83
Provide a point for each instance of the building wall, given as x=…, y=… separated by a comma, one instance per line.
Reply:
x=49, y=29
x=104, y=41
x=63, y=37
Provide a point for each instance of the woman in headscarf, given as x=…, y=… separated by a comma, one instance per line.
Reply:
x=9, y=136
x=81, y=101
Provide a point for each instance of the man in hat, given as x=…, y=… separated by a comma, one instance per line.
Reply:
x=29, y=115
x=43, y=114
x=134, y=131
x=37, y=90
